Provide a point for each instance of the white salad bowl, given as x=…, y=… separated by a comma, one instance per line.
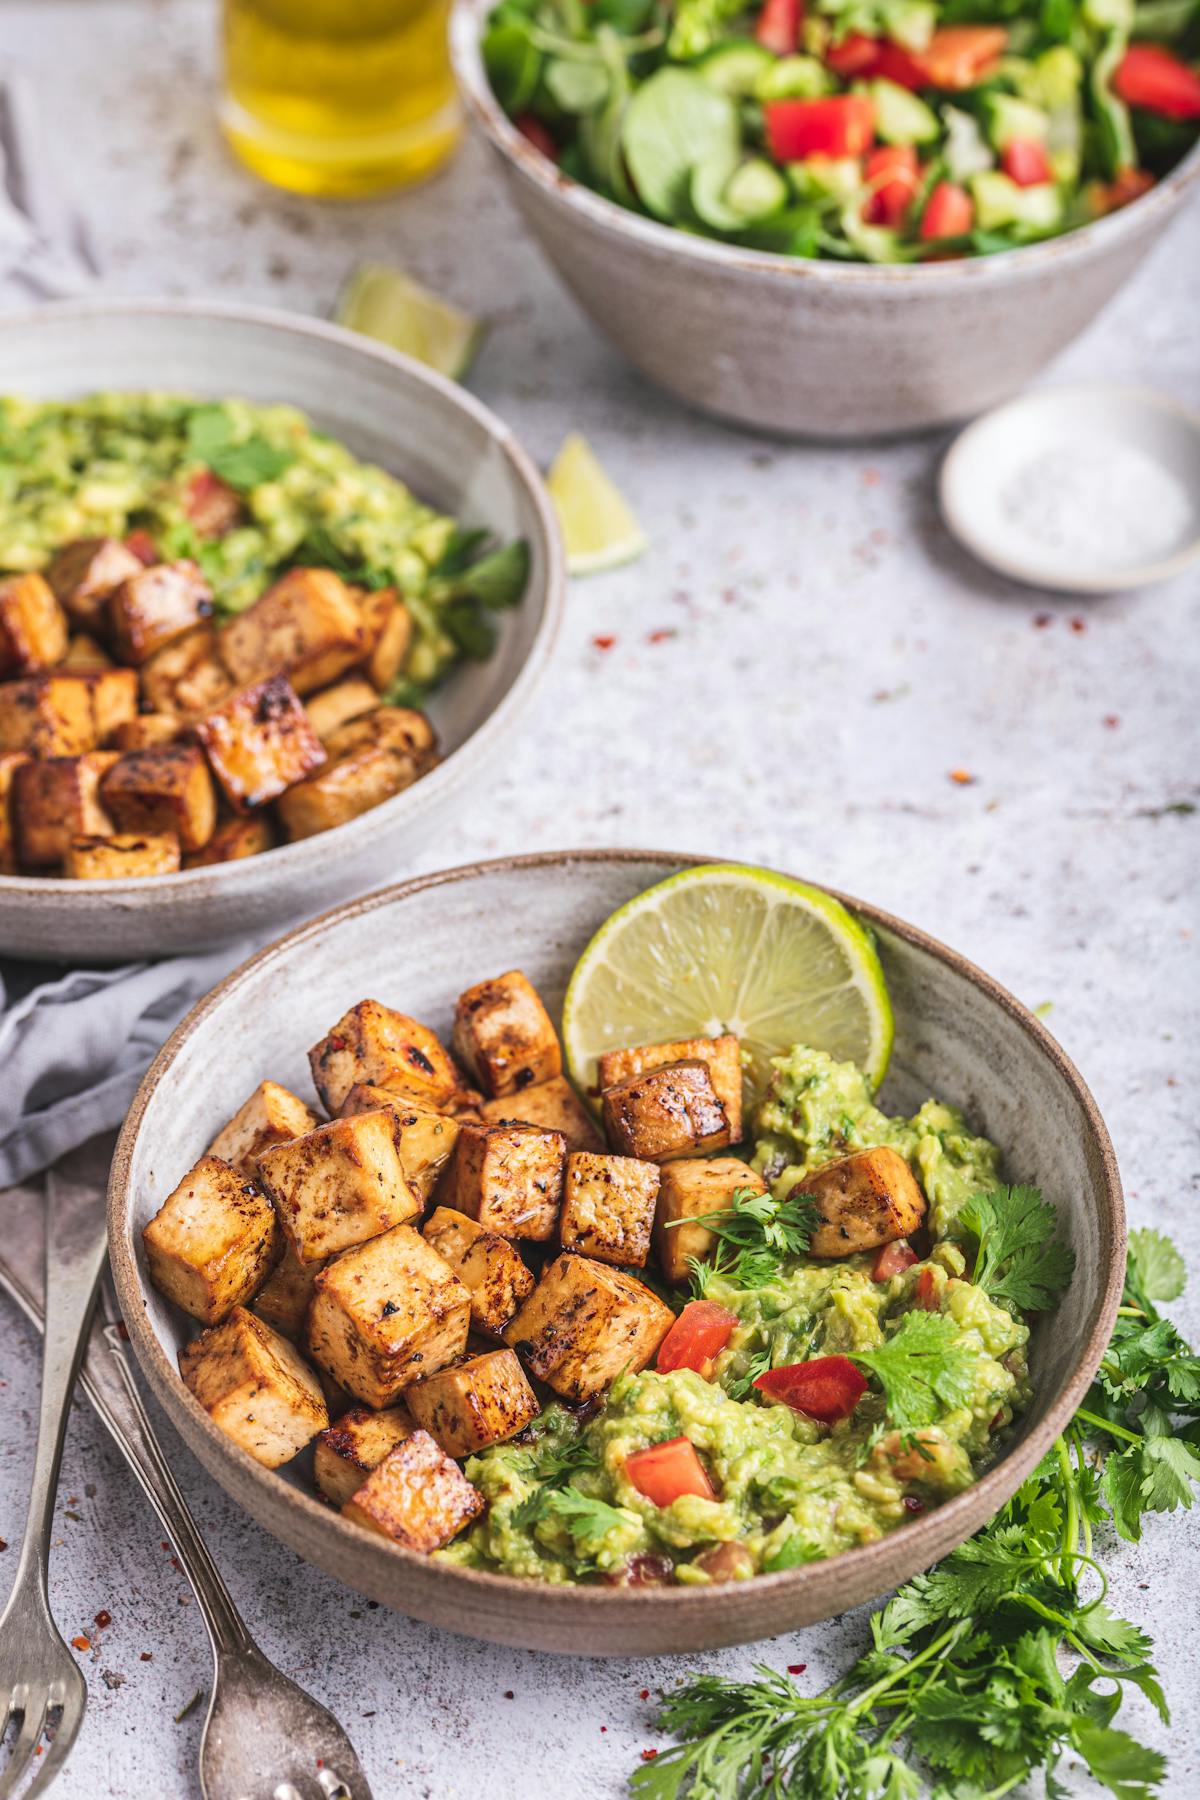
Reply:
x=437, y=438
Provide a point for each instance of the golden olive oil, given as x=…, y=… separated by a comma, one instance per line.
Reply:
x=339, y=97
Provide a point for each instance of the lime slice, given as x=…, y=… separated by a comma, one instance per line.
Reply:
x=598, y=528
x=725, y=948
x=386, y=304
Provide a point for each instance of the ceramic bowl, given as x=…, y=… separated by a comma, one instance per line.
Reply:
x=812, y=349
x=958, y=1035
x=451, y=450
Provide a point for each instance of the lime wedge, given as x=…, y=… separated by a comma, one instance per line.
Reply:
x=386, y=304
x=725, y=948
x=598, y=528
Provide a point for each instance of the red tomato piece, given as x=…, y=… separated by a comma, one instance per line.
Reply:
x=699, y=1334
x=211, y=504
x=949, y=213
x=1024, y=161
x=892, y=177
x=925, y=1294
x=840, y=126
x=855, y=55
x=959, y=56
x=897, y=64
x=535, y=133
x=1149, y=76
x=828, y=1388
x=142, y=545
x=778, y=26
x=664, y=1472
x=893, y=1259
x=1127, y=185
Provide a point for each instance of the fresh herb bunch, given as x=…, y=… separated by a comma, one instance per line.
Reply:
x=755, y=1233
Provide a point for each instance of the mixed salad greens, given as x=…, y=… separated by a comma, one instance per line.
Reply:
x=883, y=131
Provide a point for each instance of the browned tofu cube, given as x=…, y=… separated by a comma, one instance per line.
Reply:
x=256, y=1387
x=337, y=705
x=489, y=1265
x=691, y=1187
x=147, y=732
x=33, y=626
x=114, y=698
x=722, y=1054
x=472, y=1404
x=339, y=1185
x=272, y=1115
x=213, y=507
x=608, y=1207
x=389, y=633
x=260, y=742
x=210, y=1245
x=347, y=1451
x=668, y=1112
x=10, y=762
x=370, y=759
x=50, y=715
x=56, y=800
x=862, y=1201
x=234, y=839
x=386, y=1049
x=305, y=626
x=84, y=575
x=283, y=1299
x=504, y=1036
x=584, y=1323
x=168, y=789
x=387, y=1313
x=418, y=1496
x=85, y=655
x=186, y=677
x=508, y=1177
x=426, y=1139
x=553, y=1104
x=125, y=856
x=155, y=606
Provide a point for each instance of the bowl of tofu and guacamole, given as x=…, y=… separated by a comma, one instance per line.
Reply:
x=587, y=1315
x=270, y=595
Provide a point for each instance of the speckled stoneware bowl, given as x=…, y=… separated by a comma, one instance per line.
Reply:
x=812, y=349
x=958, y=1035
x=451, y=450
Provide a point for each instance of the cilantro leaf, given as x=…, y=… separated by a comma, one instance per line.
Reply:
x=588, y=1519
x=1126, y=1768
x=924, y=1366
x=754, y=1233
x=211, y=439
x=1169, y=1468
x=1155, y=1265
x=1018, y=1260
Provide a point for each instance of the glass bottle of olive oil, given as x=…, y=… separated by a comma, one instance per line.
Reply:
x=339, y=97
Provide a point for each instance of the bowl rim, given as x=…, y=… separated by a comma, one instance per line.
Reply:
x=426, y=794
x=537, y=171
x=958, y=1518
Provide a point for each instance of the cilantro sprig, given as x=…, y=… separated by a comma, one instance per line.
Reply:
x=1019, y=1260
x=755, y=1233
x=924, y=1366
x=243, y=463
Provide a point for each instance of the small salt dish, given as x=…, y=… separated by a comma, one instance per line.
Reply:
x=1089, y=490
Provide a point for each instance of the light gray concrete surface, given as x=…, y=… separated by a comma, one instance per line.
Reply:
x=789, y=675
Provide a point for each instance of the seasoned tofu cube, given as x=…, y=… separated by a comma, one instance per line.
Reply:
x=168, y=789
x=387, y=1313
x=418, y=1496
x=211, y=1244
x=284, y=1297
x=186, y=677
x=50, y=715
x=125, y=856
x=56, y=800
x=667, y=1112
x=260, y=742
x=256, y=1387
x=85, y=654
x=33, y=626
x=10, y=762
x=272, y=1115
x=386, y=1049
x=472, y=1404
x=339, y=1184
x=155, y=606
x=389, y=633
x=426, y=1139
x=489, y=1265
x=213, y=507
x=691, y=1187
x=337, y=705
x=114, y=698
x=722, y=1054
x=234, y=839
x=504, y=1036
x=584, y=1323
x=84, y=575
x=862, y=1201
x=370, y=759
x=608, y=1207
x=147, y=732
x=508, y=1177
x=305, y=626
x=553, y=1104
x=347, y=1451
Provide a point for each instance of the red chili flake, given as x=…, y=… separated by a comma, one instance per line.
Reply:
x=796, y=1668
x=146, y=1656
x=1112, y=720
x=604, y=1728
x=963, y=777
x=871, y=478
x=1041, y=620
x=1078, y=624
x=165, y=1544
x=649, y=1755
x=643, y=1693
x=103, y=1618
x=661, y=636
x=320, y=1762
x=3, y=1543
x=912, y=1504
x=177, y=1565
x=604, y=642
x=122, y=1331
x=81, y=1643
x=508, y=1694
x=39, y=1750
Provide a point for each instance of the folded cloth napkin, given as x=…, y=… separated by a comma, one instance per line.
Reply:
x=44, y=248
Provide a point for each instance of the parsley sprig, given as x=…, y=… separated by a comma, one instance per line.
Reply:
x=924, y=1366
x=754, y=1233
x=1019, y=1260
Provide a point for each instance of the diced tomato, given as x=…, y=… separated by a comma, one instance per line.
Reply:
x=211, y=504
x=699, y=1334
x=1024, y=161
x=897, y=64
x=892, y=178
x=959, y=56
x=535, y=133
x=893, y=1259
x=142, y=545
x=1149, y=76
x=1126, y=185
x=840, y=126
x=857, y=55
x=828, y=1388
x=665, y=1472
x=925, y=1293
x=950, y=212
x=778, y=27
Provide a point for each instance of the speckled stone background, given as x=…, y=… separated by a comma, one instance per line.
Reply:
x=790, y=675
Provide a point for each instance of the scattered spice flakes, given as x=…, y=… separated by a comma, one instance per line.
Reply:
x=122, y=1331
x=643, y=1693
x=112, y=1678
x=3, y=1543
x=1042, y=620
x=508, y=1694
x=649, y=1755
x=74, y=1516
x=1111, y=721
x=190, y=1707
x=103, y=1618
x=604, y=642
x=604, y=1728
x=1043, y=1009
x=870, y=477
x=660, y=636
x=796, y=1668
x=81, y=1643
x=146, y=1656
x=963, y=778
x=1077, y=624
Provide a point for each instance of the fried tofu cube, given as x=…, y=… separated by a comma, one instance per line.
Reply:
x=667, y=1112
x=33, y=626
x=234, y=839
x=58, y=799
x=147, y=732
x=186, y=677
x=691, y=1187
x=168, y=789
x=83, y=575
x=485, y=1400
x=305, y=626
x=114, y=698
x=337, y=705
x=382, y=1048
x=86, y=655
x=387, y=1313
x=862, y=1201
x=608, y=1207
x=389, y=633
x=49, y=715
x=418, y=1496
x=256, y=1387
x=509, y=1178
x=584, y=1323
x=212, y=1242
x=125, y=856
x=260, y=742
x=504, y=1036
x=427, y=1138
x=272, y=1115
x=553, y=1104
x=155, y=606
x=722, y=1054
x=10, y=762
x=370, y=759
x=347, y=1451
x=339, y=1184
x=487, y=1264
x=284, y=1298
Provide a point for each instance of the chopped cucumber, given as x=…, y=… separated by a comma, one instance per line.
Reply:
x=755, y=190
x=964, y=152
x=826, y=178
x=735, y=68
x=793, y=78
x=901, y=117
x=707, y=193
x=1007, y=119
x=999, y=202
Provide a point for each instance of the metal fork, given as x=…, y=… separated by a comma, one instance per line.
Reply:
x=264, y=1737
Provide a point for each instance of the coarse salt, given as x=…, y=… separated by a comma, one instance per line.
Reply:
x=1113, y=506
